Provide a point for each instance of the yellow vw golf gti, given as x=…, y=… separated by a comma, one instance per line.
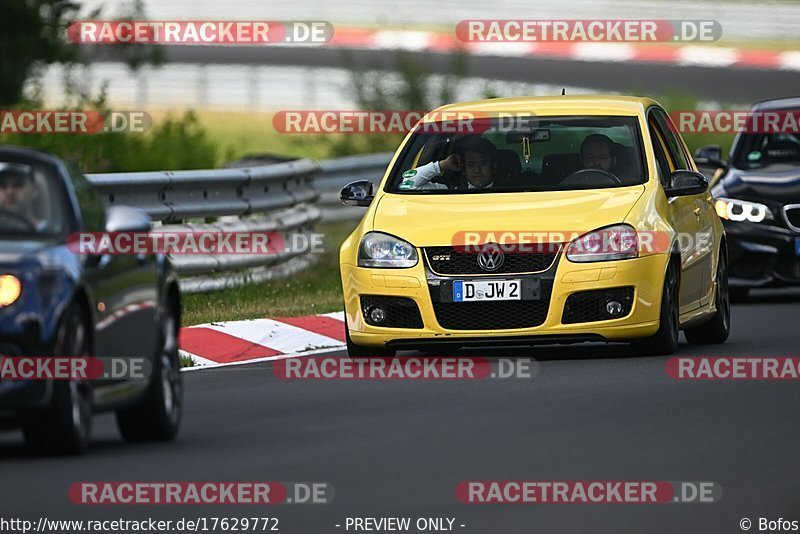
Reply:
x=536, y=221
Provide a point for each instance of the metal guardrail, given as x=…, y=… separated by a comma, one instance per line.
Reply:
x=287, y=198
x=178, y=195
x=271, y=198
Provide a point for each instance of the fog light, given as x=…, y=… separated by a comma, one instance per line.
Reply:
x=613, y=308
x=377, y=315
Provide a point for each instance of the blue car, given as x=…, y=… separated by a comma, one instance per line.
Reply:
x=57, y=301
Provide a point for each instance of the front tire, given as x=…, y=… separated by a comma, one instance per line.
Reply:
x=718, y=328
x=665, y=341
x=157, y=416
x=64, y=427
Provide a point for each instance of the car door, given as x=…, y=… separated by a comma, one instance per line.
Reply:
x=704, y=209
x=682, y=214
x=125, y=291
x=701, y=204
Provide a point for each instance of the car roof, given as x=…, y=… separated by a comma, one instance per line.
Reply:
x=556, y=105
x=792, y=102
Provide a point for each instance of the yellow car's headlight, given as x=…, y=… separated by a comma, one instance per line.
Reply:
x=386, y=251
x=731, y=209
x=10, y=288
x=618, y=242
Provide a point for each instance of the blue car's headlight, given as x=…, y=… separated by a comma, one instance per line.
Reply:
x=383, y=250
x=10, y=288
x=731, y=209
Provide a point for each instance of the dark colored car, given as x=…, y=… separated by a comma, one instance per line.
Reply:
x=757, y=195
x=55, y=301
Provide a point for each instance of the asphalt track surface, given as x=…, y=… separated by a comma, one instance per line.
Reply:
x=737, y=85
x=398, y=448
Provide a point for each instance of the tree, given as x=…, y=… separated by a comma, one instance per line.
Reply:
x=33, y=35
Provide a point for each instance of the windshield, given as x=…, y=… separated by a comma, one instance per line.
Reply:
x=774, y=151
x=31, y=200
x=547, y=154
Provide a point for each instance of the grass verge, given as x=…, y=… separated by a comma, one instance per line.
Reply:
x=318, y=289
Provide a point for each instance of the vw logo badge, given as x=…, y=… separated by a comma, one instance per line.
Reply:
x=491, y=257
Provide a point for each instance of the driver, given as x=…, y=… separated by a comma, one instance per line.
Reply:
x=597, y=152
x=19, y=191
x=475, y=157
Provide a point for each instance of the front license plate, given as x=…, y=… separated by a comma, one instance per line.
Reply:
x=468, y=291
x=797, y=245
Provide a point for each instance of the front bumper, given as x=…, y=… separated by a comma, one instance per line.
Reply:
x=644, y=274
x=17, y=396
x=761, y=255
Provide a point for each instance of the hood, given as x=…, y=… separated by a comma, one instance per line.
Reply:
x=435, y=219
x=782, y=186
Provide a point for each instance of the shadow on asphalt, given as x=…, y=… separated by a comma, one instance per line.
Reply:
x=771, y=296
x=12, y=447
x=578, y=351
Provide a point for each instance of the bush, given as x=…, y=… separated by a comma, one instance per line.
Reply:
x=175, y=143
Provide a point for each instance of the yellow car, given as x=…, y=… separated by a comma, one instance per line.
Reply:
x=536, y=221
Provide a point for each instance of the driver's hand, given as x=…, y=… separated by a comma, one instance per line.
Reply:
x=451, y=163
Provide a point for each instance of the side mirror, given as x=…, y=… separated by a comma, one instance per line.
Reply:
x=127, y=219
x=709, y=155
x=683, y=183
x=358, y=193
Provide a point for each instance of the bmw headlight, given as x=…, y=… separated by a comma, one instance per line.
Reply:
x=383, y=250
x=741, y=210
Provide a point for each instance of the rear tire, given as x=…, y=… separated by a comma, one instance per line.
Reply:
x=718, y=328
x=665, y=341
x=361, y=351
x=64, y=427
x=157, y=416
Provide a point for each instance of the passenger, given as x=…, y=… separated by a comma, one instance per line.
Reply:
x=476, y=158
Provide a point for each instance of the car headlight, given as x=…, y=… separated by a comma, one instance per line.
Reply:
x=10, y=288
x=618, y=242
x=383, y=250
x=740, y=210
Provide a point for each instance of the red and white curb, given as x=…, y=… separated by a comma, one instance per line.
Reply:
x=687, y=55
x=256, y=340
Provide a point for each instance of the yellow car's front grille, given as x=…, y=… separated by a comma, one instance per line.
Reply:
x=447, y=261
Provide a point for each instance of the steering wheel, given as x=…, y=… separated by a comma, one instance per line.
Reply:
x=575, y=178
x=17, y=221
